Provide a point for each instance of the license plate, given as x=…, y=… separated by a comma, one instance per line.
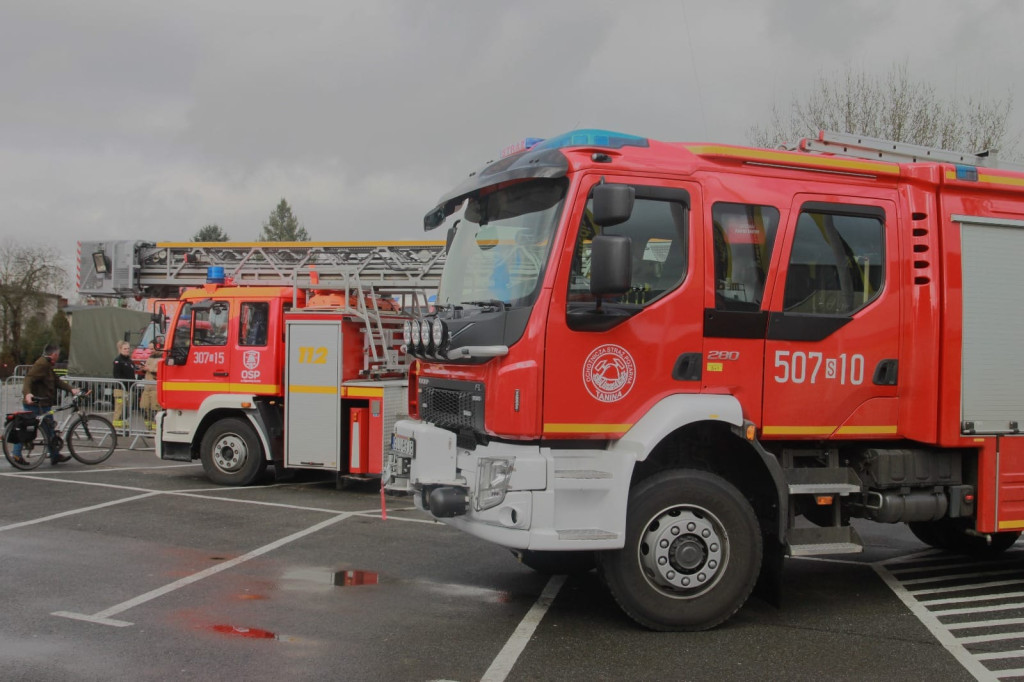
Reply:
x=403, y=445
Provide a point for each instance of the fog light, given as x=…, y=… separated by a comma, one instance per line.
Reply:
x=493, y=474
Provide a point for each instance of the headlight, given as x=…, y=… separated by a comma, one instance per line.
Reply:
x=407, y=333
x=492, y=477
x=439, y=335
x=414, y=333
x=425, y=334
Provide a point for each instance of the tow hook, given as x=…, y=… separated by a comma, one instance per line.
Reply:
x=447, y=502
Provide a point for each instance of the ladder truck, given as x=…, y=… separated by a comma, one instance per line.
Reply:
x=684, y=362
x=281, y=353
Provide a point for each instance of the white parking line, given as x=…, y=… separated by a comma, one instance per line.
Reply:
x=96, y=468
x=72, y=512
x=104, y=617
x=951, y=643
x=192, y=493
x=509, y=654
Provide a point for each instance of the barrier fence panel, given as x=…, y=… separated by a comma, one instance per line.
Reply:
x=130, y=409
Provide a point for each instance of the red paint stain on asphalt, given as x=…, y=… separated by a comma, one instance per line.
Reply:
x=248, y=633
x=352, y=578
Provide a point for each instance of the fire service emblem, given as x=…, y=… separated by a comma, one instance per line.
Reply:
x=251, y=359
x=609, y=373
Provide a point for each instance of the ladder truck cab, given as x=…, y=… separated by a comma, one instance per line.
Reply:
x=684, y=362
x=279, y=353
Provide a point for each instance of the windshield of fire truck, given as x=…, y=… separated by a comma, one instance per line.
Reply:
x=500, y=246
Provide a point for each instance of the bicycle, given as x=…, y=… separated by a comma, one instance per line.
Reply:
x=90, y=438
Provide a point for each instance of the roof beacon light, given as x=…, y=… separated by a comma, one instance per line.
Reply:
x=521, y=146
x=592, y=137
x=215, y=274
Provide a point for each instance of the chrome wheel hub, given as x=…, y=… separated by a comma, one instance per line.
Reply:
x=682, y=551
x=229, y=452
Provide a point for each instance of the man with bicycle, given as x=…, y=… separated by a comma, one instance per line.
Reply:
x=40, y=393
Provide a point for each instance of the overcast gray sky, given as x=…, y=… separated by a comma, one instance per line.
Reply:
x=147, y=120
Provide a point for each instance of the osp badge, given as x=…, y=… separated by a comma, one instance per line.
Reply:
x=609, y=373
x=251, y=361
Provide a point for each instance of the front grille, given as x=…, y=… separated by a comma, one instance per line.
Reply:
x=454, y=405
x=446, y=408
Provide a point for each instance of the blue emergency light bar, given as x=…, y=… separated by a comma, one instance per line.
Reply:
x=588, y=137
x=593, y=137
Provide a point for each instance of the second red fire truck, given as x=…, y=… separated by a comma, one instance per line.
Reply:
x=278, y=353
x=683, y=362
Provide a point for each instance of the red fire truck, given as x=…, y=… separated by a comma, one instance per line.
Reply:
x=684, y=362
x=278, y=353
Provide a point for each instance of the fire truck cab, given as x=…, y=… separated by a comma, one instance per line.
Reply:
x=684, y=362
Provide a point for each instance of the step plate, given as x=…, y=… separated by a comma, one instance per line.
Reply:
x=830, y=548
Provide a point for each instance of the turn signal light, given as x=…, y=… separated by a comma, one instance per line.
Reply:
x=823, y=500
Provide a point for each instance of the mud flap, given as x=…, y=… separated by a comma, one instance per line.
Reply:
x=769, y=581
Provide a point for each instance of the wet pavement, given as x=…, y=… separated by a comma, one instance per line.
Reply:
x=142, y=570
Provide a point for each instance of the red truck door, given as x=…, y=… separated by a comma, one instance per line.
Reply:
x=204, y=330
x=741, y=238
x=833, y=342
x=599, y=378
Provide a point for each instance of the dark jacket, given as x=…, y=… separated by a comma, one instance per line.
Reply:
x=123, y=368
x=42, y=382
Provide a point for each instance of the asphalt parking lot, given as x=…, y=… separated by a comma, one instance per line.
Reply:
x=138, y=569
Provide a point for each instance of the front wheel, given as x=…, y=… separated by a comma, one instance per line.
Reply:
x=231, y=453
x=32, y=453
x=692, y=552
x=91, y=439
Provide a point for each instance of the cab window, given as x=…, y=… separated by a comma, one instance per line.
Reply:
x=744, y=236
x=837, y=263
x=657, y=234
x=252, y=324
x=210, y=325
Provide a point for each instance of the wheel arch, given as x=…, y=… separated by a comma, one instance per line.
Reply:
x=218, y=414
x=705, y=432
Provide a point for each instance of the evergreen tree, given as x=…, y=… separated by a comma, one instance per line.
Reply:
x=211, y=233
x=282, y=226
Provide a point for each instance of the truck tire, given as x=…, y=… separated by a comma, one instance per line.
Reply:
x=231, y=453
x=692, y=552
x=556, y=563
x=951, y=535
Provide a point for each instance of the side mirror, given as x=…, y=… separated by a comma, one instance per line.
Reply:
x=613, y=204
x=610, y=264
x=450, y=237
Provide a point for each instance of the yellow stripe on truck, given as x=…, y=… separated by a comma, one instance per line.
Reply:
x=222, y=387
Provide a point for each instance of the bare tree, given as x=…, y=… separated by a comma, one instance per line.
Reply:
x=894, y=107
x=29, y=276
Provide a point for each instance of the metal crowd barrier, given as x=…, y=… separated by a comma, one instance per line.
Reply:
x=130, y=408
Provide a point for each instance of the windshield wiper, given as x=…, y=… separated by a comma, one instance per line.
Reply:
x=493, y=303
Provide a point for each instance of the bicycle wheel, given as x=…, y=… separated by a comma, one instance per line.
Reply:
x=32, y=453
x=91, y=439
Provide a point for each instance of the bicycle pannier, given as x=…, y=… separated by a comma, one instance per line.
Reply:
x=24, y=430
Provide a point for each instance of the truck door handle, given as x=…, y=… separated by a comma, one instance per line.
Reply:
x=688, y=367
x=221, y=374
x=886, y=373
